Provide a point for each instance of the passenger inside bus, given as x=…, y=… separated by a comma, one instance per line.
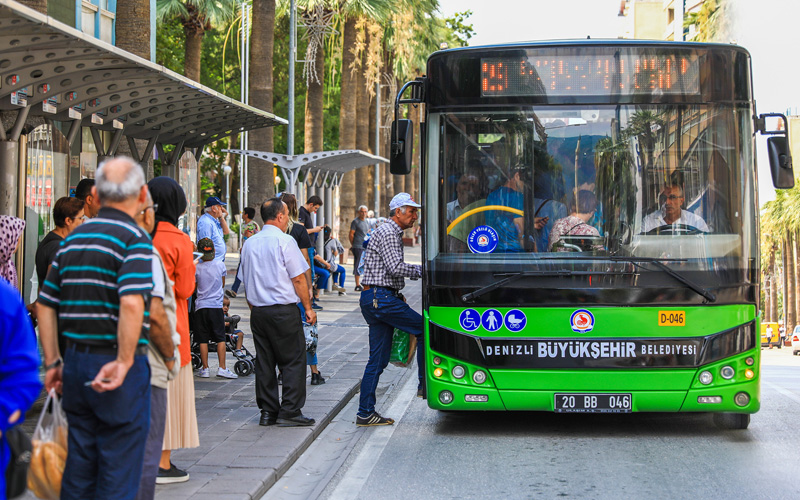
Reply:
x=576, y=223
x=671, y=218
x=509, y=225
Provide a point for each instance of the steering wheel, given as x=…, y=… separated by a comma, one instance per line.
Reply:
x=484, y=208
x=674, y=229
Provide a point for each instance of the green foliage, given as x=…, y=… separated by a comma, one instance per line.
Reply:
x=461, y=32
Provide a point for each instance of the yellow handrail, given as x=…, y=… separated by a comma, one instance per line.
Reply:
x=483, y=209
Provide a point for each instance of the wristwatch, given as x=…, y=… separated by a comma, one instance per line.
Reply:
x=54, y=364
x=171, y=358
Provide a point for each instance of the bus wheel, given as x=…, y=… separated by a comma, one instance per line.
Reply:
x=732, y=421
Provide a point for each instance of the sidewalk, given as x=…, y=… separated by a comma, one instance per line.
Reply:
x=237, y=458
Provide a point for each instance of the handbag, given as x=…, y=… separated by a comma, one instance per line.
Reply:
x=17, y=472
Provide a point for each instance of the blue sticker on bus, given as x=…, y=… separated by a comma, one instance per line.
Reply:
x=470, y=320
x=515, y=320
x=482, y=239
x=492, y=320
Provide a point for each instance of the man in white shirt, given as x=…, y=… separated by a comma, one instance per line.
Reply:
x=672, y=213
x=467, y=191
x=272, y=271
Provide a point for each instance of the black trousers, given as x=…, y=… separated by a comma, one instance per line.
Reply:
x=279, y=339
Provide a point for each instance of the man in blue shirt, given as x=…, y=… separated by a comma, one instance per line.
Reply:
x=212, y=224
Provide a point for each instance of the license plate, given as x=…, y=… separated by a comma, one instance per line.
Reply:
x=593, y=403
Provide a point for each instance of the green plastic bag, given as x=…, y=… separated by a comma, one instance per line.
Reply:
x=403, y=347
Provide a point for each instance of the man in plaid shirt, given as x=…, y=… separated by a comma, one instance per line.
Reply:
x=384, y=307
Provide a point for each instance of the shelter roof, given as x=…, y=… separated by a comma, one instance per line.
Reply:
x=60, y=72
x=335, y=163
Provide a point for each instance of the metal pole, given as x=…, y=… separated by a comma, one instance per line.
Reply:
x=292, y=58
x=377, y=148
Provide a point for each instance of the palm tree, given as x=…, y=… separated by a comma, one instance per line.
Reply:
x=262, y=43
x=38, y=5
x=197, y=17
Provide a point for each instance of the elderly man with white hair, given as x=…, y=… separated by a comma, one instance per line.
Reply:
x=359, y=229
x=95, y=296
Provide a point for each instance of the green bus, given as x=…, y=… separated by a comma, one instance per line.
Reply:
x=590, y=221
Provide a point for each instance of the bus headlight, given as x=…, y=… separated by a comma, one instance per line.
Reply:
x=438, y=372
x=479, y=377
x=458, y=371
x=749, y=374
x=749, y=361
x=741, y=398
x=706, y=377
x=446, y=397
x=727, y=372
x=437, y=360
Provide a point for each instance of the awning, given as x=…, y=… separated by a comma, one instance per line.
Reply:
x=49, y=68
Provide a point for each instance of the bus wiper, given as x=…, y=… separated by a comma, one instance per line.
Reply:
x=683, y=279
x=512, y=277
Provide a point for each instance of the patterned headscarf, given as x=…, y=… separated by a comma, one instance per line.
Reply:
x=10, y=232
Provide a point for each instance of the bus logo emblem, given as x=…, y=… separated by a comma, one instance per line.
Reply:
x=482, y=239
x=469, y=320
x=492, y=320
x=515, y=320
x=582, y=321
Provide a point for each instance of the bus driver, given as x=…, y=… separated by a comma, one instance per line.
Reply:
x=672, y=213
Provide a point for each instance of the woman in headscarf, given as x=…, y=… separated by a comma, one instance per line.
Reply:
x=176, y=249
x=300, y=235
x=11, y=229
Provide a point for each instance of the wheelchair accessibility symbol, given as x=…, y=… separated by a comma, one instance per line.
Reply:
x=470, y=320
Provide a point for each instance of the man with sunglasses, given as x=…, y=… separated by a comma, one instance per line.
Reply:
x=671, y=212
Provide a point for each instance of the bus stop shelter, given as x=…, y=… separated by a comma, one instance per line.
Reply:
x=318, y=174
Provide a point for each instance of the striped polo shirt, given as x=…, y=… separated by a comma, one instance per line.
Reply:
x=101, y=260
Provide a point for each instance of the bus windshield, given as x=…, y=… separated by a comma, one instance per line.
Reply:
x=529, y=186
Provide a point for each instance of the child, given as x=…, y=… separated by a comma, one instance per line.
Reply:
x=209, y=324
x=226, y=304
x=332, y=249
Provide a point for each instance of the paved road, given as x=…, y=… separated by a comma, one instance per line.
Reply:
x=542, y=455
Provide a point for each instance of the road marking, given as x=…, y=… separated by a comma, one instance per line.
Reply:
x=361, y=468
x=789, y=394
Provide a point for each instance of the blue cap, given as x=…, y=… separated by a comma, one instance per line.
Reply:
x=213, y=200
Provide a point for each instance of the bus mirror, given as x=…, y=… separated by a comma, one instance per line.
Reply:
x=402, y=147
x=780, y=162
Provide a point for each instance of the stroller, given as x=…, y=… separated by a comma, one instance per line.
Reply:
x=245, y=361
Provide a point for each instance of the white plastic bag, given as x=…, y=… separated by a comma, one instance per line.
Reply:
x=49, y=450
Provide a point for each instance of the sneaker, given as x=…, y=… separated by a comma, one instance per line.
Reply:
x=225, y=373
x=374, y=419
x=359, y=289
x=316, y=306
x=230, y=293
x=202, y=373
x=421, y=392
x=171, y=475
x=239, y=353
x=342, y=292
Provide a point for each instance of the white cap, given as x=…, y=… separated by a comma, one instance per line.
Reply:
x=403, y=200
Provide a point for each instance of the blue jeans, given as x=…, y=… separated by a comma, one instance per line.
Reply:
x=323, y=274
x=391, y=313
x=236, y=281
x=107, y=431
x=338, y=275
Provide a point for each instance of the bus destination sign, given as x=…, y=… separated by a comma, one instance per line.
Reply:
x=591, y=74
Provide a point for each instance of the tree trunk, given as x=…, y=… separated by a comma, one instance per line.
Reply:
x=315, y=107
x=372, y=150
x=132, y=33
x=40, y=5
x=790, y=327
x=194, y=45
x=363, y=177
x=347, y=129
x=261, y=184
x=132, y=27
x=773, y=285
x=791, y=290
